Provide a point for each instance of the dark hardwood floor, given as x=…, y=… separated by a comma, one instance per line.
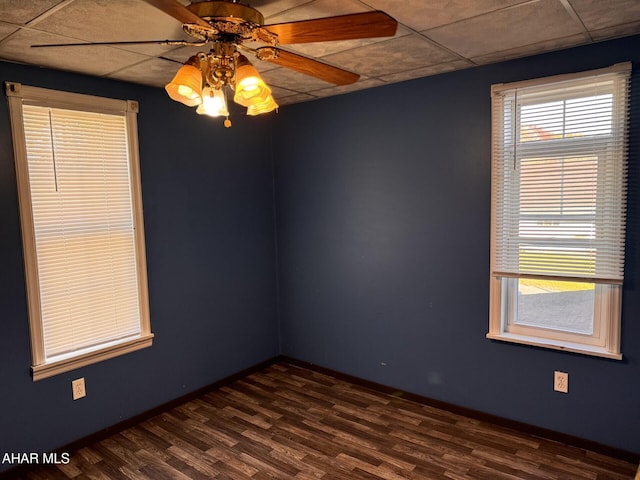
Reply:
x=289, y=422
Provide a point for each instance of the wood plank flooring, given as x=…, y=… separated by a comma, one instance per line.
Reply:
x=288, y=422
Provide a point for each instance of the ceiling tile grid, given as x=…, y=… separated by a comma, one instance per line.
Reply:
x=433, y=37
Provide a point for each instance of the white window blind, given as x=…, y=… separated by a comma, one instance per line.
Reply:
x=559, y=168
x=78, y=179
x=84, y=235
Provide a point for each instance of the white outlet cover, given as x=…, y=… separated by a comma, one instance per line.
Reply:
x=561, y=381
x=78, y=389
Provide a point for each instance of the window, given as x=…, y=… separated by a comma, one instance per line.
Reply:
x=82, y=230
x=559, y=148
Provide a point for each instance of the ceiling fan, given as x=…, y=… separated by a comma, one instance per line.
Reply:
x=228, y=27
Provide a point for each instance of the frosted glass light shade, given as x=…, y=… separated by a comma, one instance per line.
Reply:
x=264, y=107
x=250, y=88
x=186, y=86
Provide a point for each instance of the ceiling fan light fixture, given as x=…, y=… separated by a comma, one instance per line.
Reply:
x=249, y=86
x=267, y=106
x=186, y=86
x=214, y=103
x=226, y=25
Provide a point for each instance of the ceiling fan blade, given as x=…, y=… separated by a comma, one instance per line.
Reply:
x=181, y=43
x=178, y=11
x=341, y=27
x=308, y=66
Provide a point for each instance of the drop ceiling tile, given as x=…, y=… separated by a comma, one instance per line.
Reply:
x=270, y=8
x=339, y=90
x=598, y=14
x=6, y=30
x=182, y=54
x=297, y=98
x=426, y=71
x=541, y=47
x=391, y=56
x=420, y=15
x=96, y=60
x=525, y=24
x=115, y=21
x=318, y=9
x=21, y=12
x=616, y=31
x=155, y=72
x=278, y=92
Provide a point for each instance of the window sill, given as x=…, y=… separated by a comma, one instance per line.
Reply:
x=56, y=367
x=555, y=345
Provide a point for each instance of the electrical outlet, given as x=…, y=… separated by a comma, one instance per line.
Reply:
x=561, y=381
x=78, y=388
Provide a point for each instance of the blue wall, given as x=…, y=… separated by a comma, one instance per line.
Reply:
x=208, y=206
x=382, y=214
x=383, y=210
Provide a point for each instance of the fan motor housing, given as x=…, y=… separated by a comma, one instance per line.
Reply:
x=227, y=11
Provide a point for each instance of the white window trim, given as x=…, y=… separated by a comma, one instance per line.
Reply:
x=17, y=95
x=609, y=346
x=608, y=294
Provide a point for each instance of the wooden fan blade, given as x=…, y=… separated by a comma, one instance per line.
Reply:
x=178, y=11
x=308, y=66
x=342, y=27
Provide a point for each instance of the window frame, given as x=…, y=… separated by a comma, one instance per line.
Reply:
x=605, y=340
x=17, y=95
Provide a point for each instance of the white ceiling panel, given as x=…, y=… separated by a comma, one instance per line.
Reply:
x=96, y=60
x=421, y=15
x=152, y=71
x=6, y=30
x=599, y=14
x=113, y=21
x=392, y=56
x=21, y=12
x=507, y=29
x=318, y=9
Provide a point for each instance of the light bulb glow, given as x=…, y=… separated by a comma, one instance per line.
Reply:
x=214, y=103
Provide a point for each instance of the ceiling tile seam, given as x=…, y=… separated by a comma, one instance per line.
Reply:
x=135, y=64
x=411, y=31
x=10, y=24
x=503, y=9
x=49, y=12
x=525, y=54
x=433, y=43
x=633, y=23
x=289, y=90
x=576, y=18
x=177, y=62
x=11, y=35
x=488, y=12
x=287, y=10
x=469, y=64
x=362, y=79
